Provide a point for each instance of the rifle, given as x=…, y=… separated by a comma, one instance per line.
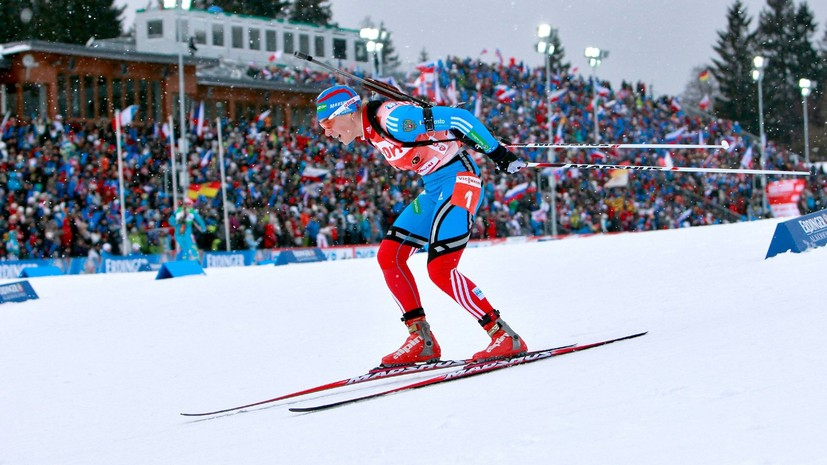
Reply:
x=379, y=87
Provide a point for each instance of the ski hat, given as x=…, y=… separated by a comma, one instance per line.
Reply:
x=335, y=101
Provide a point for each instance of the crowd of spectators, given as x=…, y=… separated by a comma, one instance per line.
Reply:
x=59, y=194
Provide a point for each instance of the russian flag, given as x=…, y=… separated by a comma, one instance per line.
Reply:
x=704, y=103
x=362, y=175
x=516, y=192
x=602, y=91
x=128, y=115
x=314, y=174
x=674, y=136
x=675, y=105
x=198, y=120
x=504, y=94
x=557, y=94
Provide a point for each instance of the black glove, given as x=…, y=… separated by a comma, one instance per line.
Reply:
x=505, y=160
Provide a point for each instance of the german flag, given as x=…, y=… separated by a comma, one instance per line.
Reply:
x=208, y=190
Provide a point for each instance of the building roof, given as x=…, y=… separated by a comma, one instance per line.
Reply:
x=108, y=49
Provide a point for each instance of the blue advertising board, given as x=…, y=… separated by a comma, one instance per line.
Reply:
x=17, y=292
x=799, y=234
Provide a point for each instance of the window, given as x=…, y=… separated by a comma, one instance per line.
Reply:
x=103, y=98
x=218, y=35
x=89, y=96
x=184, y=31
x=143, y=100
x=62, y=96
x=288, y=43
x=74, y=96
x=156, y=100
x=254, y=39
x=155, y=29
x=304, y=44
x=340, y=49
x=128, y=93
x=117, y=93
x=200, y=35
x=319, y=46
x=238, y=37
x=361, y=50
x=270, y=40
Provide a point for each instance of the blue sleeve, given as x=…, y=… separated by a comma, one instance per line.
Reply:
x=405, y=123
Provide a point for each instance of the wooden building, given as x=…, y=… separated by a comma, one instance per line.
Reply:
x=89, y=83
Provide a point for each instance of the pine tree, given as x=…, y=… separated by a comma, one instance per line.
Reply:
x=312, y=12
x=72, y=21
x=557, y=63
x=731, y=69
x=266, y=9
x=390, y=59
x=13, y=27
x=777, y=41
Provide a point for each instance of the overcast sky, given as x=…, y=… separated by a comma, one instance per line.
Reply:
x=656, y=41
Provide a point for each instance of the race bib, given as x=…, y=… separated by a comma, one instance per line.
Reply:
x=467, y=190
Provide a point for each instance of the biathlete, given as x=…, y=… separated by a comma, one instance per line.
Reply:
x=430, y=142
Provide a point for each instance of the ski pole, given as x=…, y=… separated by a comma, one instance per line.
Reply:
x=723, y=145
x=685, y=169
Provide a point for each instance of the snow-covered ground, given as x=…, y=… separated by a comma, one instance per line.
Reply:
x=732, y=371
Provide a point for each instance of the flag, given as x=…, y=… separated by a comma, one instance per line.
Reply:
x=516, y=192
x=206, y=157
x=602, y=91
x=504, y=94
x=704, y=75
x=478, y=103
x=597, y=156
x=618, y=178
x=314, y=174
x=674, y=136
x=275, y=56
x=746, y=160
x=362, y=175
x=704, y=103
x=452, y=93
x=557, y=95
x=558, y=136
x=165, y=132
x=264, y=114
x=198, y=120
x=666, y=161
x=483, y=51
x=675, y=105
x=499, y=56
x=208, y=190
x=427, y=83
x=128, y=115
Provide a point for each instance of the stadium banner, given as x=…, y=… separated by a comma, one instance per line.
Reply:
x=129, y=264
x=783, y=196
x=228, y=259
x=17, y=292
x=300, y=256
x=11, y=269
x=799, y=234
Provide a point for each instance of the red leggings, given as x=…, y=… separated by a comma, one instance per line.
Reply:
x=442, y=269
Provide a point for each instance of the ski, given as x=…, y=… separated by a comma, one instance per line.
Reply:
x=372, y=375
x=470, y=370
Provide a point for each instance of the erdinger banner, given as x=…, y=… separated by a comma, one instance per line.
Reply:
x=17, y=292
x=783, y=196
x=799, y=234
